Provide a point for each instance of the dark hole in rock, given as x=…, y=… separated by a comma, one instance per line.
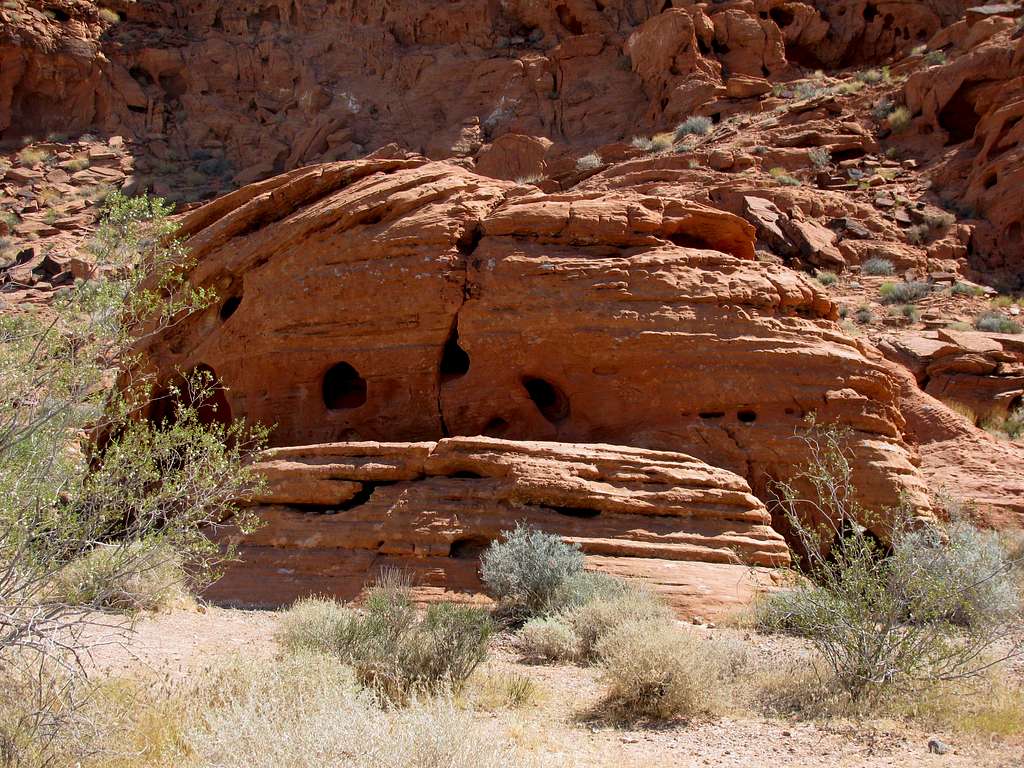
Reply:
x=343, y=388
x=991, y=180
x=711, y=414
x=496, y=427
x=201, y=389
x=581, y=512
x=454, y=360
x=141, y=76
x=466, y=474
x=228, y=308
x=870, y=11
x=59, y=15
x=551, y=401
x=469, y=548
x=781, y=16
x=469, y=240
x=174, y=84
x=849, y=153
x=747, y=417
x=686, y=240
x=958, y=118
x=567, y=20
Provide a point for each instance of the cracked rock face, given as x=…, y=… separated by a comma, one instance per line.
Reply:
x=403, y=299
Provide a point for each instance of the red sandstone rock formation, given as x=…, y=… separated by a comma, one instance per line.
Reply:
x=338, y=513
x=401, y=299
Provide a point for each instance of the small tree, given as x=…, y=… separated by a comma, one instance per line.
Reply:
x=888, y=602
x=93, y=495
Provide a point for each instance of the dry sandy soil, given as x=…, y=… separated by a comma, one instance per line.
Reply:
x=184, y=642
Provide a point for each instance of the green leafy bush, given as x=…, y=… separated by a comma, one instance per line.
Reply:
x=525, y=569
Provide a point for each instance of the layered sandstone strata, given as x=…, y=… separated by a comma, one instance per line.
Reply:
x=337, y=514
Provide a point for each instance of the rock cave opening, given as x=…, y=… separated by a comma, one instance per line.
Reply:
x=551, y=401
x=469, y=548
x=746, y=416
x=454, y=359
x=343, y=388
x=958, y=117
x=228, y=308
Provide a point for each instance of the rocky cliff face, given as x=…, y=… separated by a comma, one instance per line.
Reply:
x=472, y=274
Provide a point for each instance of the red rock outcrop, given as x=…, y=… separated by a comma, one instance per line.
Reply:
x=968, y=112
x=336, y=514
x=401, y=299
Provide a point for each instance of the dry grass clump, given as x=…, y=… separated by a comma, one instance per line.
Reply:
x=128, y=578
x=393, y=651
x=697, y=125
x=877, y=267
x=654, y=670
x=899, y=119
x=30, y=158
x=904, y=293
x=780, y=175
x=589, y=162
x=304, y=712
x=547, y=639
x=593, y=621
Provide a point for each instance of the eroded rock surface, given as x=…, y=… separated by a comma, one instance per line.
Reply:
x=338, y=513
x=401, y=299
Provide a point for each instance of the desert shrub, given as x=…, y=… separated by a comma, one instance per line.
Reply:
x=977, y=578
x=524, y=569
x=584, y=587
x=503, y=690
x=780, y=175
x=78, y=163
x=904, y=293
x=864, y=315
x=661, y=141
x=642, y=142
x=883, y=617
x=996, y=322
x=873, y=76
x=899, y=119
x=877, y=267
x=917, y=234
x=809, y=89
x=940, y=221
x=99, y=578
x=303, y=712
x=1003, y=301
x=1011, y=425
x=965, y=289
x=316, y=624
x=589, y=162
x=882, y=108
x=933, y=58
x=826, y=278
x=697, y=125
x=820, y=157
x=596, y=618
x=654, y=670
x=9, y=218
x=547, y=639
x=908, y=311
x=393, y=651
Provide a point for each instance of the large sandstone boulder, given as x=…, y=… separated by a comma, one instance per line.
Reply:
x=338, y=513
x=400, y=299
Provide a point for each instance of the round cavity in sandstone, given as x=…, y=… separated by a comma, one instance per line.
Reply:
x=343, y=388
x=469, y=548
x=746, y=416
x=228, y=308
x=551, y=401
